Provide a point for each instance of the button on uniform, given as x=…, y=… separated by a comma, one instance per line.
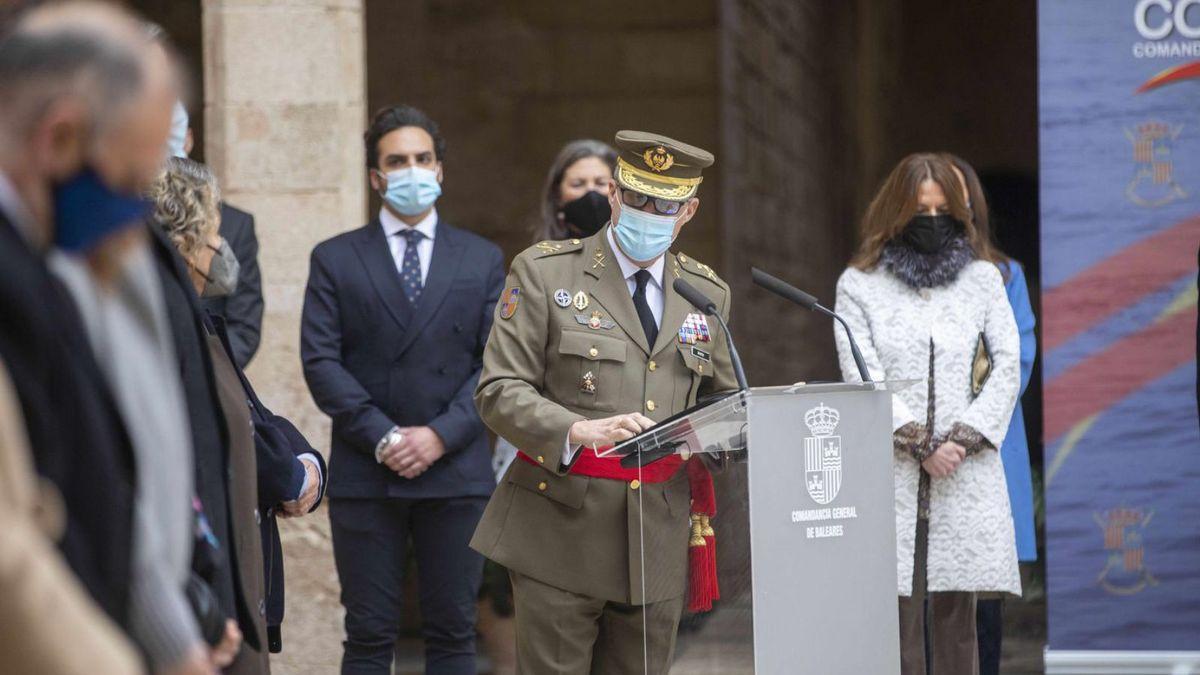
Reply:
x=541, y=459
x=593, y=352
x=635, y=484
x=542, y=486
x=653, y=366
x=650, y=406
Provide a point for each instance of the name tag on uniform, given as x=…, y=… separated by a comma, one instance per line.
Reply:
x=701, y=354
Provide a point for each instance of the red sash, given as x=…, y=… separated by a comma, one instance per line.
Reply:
x=702, y=545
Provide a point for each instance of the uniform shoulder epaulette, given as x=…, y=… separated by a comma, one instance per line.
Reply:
x=544, y=249
x=698, y=268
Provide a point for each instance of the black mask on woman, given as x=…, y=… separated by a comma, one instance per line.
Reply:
x=587, y=214
x=930, y=234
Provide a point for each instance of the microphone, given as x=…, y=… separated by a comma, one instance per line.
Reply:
x=789, y=292
x=701, y=302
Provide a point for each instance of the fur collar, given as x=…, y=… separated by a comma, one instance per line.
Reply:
x=921, y=270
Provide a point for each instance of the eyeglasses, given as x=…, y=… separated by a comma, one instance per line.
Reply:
x=637, y=200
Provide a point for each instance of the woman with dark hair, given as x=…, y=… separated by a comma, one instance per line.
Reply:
x=925, y=291
x=575, y=194
x=1015, y=451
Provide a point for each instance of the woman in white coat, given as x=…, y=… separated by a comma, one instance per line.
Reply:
x=924, y=296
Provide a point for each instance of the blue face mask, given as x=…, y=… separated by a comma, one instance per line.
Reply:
x=644, y=236
x=179, y=128
x=412, y=190
x=86, y=211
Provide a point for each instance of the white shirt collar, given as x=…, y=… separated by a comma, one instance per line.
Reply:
x=393, y=225
x=629, y=267
x=14, y=207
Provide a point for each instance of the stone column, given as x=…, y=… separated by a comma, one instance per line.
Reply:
x=285, y=110
x=285, y=98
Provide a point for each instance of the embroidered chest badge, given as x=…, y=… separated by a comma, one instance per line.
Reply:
x=509, y=306
x=694, y=329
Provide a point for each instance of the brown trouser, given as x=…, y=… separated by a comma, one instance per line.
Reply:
x=570, y=634
x=952, y=649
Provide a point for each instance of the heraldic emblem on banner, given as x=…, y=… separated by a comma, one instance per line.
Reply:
x=1153, y=182
x=1125, y=570
x=822, y=454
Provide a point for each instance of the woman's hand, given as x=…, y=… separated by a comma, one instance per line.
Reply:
x=944, y=460
x=226, y=650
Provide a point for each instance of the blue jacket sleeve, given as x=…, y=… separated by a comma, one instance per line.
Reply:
x=1018, y=297
x=336, y=391
x=460, y=424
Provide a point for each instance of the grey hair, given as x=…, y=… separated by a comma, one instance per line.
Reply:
x=41, y=65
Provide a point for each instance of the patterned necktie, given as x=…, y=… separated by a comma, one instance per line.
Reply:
x=649, y=325
x=410, y=269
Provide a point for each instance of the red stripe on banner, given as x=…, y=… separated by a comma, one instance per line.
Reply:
x=1107, y=377
x=1118, y=281
x=1170, y=75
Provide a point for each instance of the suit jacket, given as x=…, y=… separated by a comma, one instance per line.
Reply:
x=74, y=427
x=373, y=361
x=43, y=601
x=278, y=445
x=545, y=368
x=243, y=310
x=211, y=436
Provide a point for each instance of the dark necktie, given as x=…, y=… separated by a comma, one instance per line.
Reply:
x=642, y=277
x=410, y=269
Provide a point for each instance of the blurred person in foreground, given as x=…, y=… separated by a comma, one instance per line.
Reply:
x=271, y=468
x=1014, y=453
x=81, y=132
x=925, y=290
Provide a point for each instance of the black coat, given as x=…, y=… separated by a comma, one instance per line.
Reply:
x=75, y=431
x=243, y=310
x=210, y=437
x=278, y=445
x=372, y=360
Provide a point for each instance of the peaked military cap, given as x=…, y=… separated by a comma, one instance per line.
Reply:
x=658, y=166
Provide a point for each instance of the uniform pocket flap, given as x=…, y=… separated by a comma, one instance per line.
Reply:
x=565, y=490
x=697, y=359
x=592, y=346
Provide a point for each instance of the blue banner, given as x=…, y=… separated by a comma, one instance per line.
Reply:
x=1119, y=99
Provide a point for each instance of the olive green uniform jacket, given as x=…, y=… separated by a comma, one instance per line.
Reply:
x=546, y=367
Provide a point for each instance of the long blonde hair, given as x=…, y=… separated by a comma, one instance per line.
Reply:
x=896, y=203
x=186, y=200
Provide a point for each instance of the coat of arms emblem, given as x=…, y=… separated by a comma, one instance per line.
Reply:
x=658, y=158
x=1125, y=571
x=1153, y=183
x=822, y=454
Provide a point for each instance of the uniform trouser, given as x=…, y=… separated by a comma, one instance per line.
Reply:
x=951, y=618
x=570, y=634
x=370, y=547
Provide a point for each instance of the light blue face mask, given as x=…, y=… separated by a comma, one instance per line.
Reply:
x=179, y=128
x=644, y=236
x=412, y=190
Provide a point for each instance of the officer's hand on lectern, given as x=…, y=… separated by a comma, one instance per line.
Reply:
x=608, y=430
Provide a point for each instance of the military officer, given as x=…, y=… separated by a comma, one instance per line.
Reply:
x=592, y=345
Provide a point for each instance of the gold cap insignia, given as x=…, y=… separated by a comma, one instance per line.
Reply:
x=658, y=158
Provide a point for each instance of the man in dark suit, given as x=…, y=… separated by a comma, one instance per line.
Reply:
x=395, y=319
x=73, y=160
x=243, y=309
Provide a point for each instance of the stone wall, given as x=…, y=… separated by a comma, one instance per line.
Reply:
x=284, y=110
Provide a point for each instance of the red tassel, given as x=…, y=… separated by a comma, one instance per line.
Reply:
x=699, y=598
x=702, y=546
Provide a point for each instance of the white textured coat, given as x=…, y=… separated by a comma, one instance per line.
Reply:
x=971, y=542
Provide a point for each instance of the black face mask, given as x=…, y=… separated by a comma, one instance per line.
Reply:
x=930, y=234
x=587, y=214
